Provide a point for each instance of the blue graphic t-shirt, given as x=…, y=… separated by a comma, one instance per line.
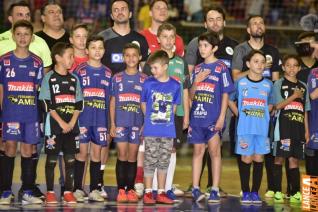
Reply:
x=127, y=91
x=20, y=78
x=160, y=97
x=207, y=101
x=253, y=98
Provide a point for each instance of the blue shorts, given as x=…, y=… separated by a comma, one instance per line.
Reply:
x=97, y=135
x=252, y=144
x=201, y=135
x=128, y=134
x=28, y=133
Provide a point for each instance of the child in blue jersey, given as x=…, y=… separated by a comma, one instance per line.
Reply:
x=291, y=101
x=160, y=96
x=95, y=79
x=211, y=83
x=126, y=121
x=253, y=96
x=20, y=75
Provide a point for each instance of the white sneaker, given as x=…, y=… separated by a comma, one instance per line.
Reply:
x=28, y=198
x=79, y=195
x=178, y=192
x=139, y=188
x=6, y=198
x=95, y=196
x=103, y=192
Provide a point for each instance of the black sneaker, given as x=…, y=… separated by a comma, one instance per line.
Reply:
x=37, y=192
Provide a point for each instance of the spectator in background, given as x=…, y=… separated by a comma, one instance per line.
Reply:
x=53, y=31
x=37, y=22
x=193, y=10
x=144, y=19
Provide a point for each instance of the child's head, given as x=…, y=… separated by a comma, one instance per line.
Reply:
x=131, y=55
x=167, y=36
x=158, y=62
x=256, y=61
x=291, y=65
x=303, y=48
x=22, y=33
x=95, y=47
x=208, y=44
x=78, y=36
x=63, y=55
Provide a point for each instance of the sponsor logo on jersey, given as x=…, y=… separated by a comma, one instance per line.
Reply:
x=23, y=66
x=36, y=64
x=108, y=74
x=65, y=98
x=243, y=144
x=83, y=130
x=242, y=83
x=104, y=82
x=101, y=129
x=72, y=88
x=263, y=93
x=117, y=58
x=226, y=82
x=266, y=85
x=129, y=97
x=254, y=102
x=178, y=71
x=135, y=128
x=214, y=78
x=142, y=79
x=179, y=62
x=269, y=58
x=65, y=82
x=118, y=78
x=94, y=92
x=229, y=50
x=227, y=62
x=72, y=79
x=6, y=62
x=285, y=87
x=96, y=74
x=218, y=69
x=21, y=86
x=138, y=87
x=31, y=74
x=295, y=106
x=82, y=72
x=203, y=86
x=13, y=128
x=200, y=111
x=53, y=79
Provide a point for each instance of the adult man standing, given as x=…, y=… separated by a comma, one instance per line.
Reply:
x=159, y=15
x=53, y=31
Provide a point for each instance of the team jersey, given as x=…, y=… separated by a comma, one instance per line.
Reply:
x=77, y=62
x=20, y=79
x=177, y=69
x=63, y=94
x=207, y=100
x=160, y=98
x=114, y=43
x=290, y=124
x=304, y=72
x=96, y=86
x=253, y=100
x=313, y=114
x=154, y=45
x=224, y=52
x=127, y=91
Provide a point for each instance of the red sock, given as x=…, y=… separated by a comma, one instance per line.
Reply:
x=139, y=175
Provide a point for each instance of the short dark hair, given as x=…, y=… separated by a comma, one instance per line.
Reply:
x=18, y=4
x=166, y=26
x=113, y=1
x=251, y=17
x=59, y=49
x=131, y=46
x=94, y=38
x=22, y=23
x=211, y=37
x=291, y=56
x=214, y=8
x=254, y=52
x=158, y=56
x=78, y=26
x=48, y=4
x=152, y=3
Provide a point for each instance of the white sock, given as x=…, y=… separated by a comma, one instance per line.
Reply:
x=171, y=170
x=155, y=181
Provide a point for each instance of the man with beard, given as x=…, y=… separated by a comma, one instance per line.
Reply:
x=256, y=31
x=159, y=14
x=53, y=31
x=214, y=20
x=117, y=36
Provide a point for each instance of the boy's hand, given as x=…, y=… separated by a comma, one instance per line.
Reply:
x=113, y=131
x=219, y=124
x=65, y=127
x=202, y=75
x=298, y=93
x=185, y=122
x=307, y=136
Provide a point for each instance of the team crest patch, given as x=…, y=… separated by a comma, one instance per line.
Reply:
x=6, y=62
x=82, y=72
x=243, y=144
x=36, y=65
x=13, y=128
x=50, y=142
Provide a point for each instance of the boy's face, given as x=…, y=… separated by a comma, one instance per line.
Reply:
x=257, y=64
x=22, y=36
x=67, y=59
x=206, y=49
x=79, y=38
x=167, y=39
x=158, y=69
x=159, y=12
x=131, y=57
x=96, y=50
x=291, y=67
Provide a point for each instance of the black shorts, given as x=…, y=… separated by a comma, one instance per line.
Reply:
x=181, y=135
x=66, y=143
x=289, y=148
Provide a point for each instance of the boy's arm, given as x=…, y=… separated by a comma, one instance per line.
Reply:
x=112, y=117
x=186, y=108
x=233, y=107
x=314, y=94
x=1, y=95
x=220, y=122
x=174, y=109
x=201, y=76
x=143, y=108
x=307, y=134
x=65, y=127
